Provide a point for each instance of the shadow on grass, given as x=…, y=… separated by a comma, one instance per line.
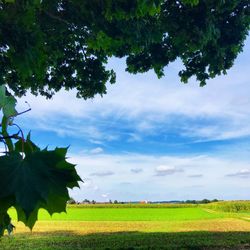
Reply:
x=67, y=240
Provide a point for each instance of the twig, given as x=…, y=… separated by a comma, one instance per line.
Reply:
x=12, y=116
x=25, y=111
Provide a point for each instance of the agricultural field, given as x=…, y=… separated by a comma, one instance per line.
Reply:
x=136, y=227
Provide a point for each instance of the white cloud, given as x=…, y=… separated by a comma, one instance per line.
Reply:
x=136, y=170
x=95, y=142
x=163, y=170
x=103, y=173
x=195, y=175
x=105, y=195
x=97, y=150
x=243, y=173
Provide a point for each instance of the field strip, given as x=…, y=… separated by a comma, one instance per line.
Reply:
x=87, y=227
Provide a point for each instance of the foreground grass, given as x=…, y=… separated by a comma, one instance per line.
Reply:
x=132, y=228
x=205, y=234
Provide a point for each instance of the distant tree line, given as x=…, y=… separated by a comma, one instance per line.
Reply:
x=204, y=201
x=86, y=201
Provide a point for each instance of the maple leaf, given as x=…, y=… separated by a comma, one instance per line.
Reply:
x=39, y=180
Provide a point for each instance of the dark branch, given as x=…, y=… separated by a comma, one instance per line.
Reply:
x=25, y=111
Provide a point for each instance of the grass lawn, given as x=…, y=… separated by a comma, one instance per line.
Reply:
x=132, y=228
x=129, y=214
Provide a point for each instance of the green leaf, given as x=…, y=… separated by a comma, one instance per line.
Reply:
x=40, y=180
x=9, y=106
x=26, y=146
x=7, y=103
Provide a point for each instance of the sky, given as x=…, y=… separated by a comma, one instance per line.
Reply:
x=153, y=139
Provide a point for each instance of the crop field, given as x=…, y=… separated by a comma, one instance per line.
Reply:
x=135, y=227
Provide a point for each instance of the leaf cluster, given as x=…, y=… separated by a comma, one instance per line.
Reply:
x=52, y=44
x=30, y=178
x=38, y=180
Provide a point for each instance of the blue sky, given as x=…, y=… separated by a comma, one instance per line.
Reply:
x=151, y=139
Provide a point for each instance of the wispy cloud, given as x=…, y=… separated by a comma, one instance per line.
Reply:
x=163, y=170
x=101, y=174
x=95, y=142
x=97, y=150
x=136, y=170
x=105, y=195
x=195, y=175
x=243, y=173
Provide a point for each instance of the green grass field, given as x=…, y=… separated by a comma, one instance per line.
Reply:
x=129, y=214
x=140, y=227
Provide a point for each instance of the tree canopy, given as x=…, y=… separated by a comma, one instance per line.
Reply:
x=52, y=44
